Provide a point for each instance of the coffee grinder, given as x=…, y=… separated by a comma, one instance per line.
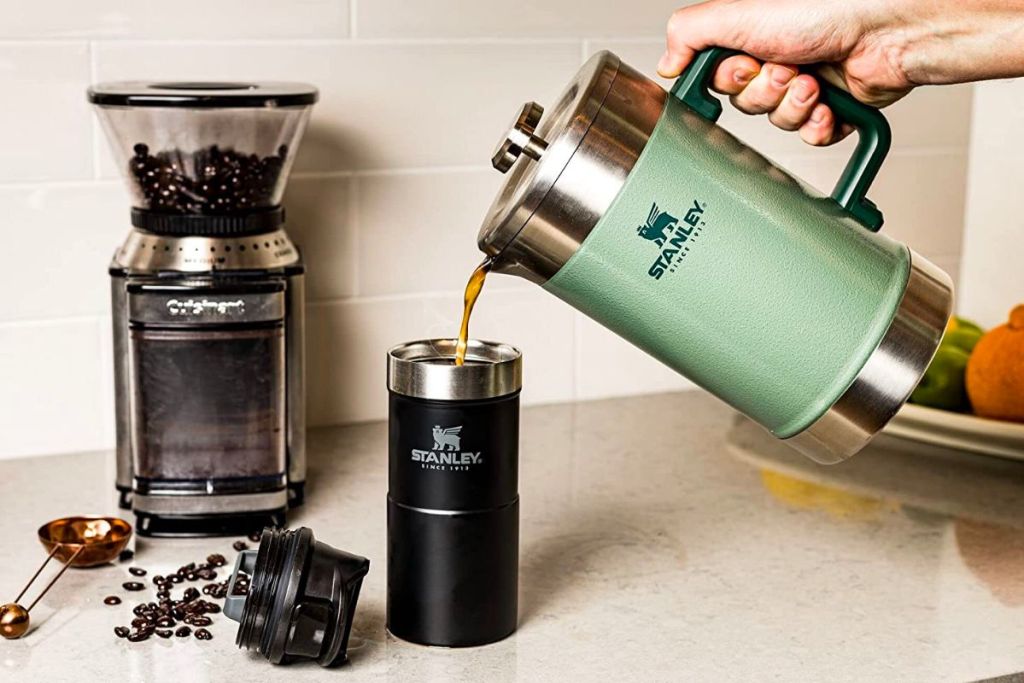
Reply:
x=207, y=300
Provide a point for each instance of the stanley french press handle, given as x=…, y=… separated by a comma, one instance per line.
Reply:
x=872, y=129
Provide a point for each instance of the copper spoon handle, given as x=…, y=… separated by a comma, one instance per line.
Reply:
x=38, y=571
x=53, y=580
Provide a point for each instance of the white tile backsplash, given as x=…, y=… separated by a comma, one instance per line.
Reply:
x=320, y=220
x=52, y=388
x=60, y=239
x=348, y=344
x=522, y=19
x=418, y=230
x=392, y=182
x=382, y=106
x=44, y=115
x=181, y=19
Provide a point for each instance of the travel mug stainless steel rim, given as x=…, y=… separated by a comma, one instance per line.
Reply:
x=453, y=500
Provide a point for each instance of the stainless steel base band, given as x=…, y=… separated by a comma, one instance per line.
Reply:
x=209, y=505
x=891, y=372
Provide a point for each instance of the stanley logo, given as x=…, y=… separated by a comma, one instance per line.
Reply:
x=447, y=453
x=671, y=236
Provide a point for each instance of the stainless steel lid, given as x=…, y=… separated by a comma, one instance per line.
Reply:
x=567, y=165
x=426, y=369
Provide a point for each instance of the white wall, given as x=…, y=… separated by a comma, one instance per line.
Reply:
x=993, y=262
x=388, y=191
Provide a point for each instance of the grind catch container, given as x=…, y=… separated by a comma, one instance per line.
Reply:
x=453, y=501
x=632, y=205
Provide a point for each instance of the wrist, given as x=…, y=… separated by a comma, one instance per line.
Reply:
x=953, y=41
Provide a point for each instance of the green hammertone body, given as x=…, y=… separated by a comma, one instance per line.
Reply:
x=768, y=294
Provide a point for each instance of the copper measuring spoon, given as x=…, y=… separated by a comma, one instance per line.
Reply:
x=84, y=541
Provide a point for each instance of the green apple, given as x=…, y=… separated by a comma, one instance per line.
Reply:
x=965, y=324
x=963, y=338
x=943, y=383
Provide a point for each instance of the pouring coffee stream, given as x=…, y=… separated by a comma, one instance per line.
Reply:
x=473, y=288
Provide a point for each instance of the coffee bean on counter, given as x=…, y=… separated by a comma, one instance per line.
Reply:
x=139, y=610
x=137, y=636
x=140, y=621
x=165, y=622
x=216, y=560
x=203, y=634
x=111, y=600
x=183, y=632
x=240, y=546
x=126, y=555
x=136, y=571
x=207, y=574
x=157, y=579
x=121, y=631
x=175, y=578
x=164, y=632
x=194, y=620
x=132, y=586
x=256, y=536
x=190, y=593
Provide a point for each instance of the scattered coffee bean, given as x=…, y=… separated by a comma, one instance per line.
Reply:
x=194, y=620
x=183, y=632
x=164, y=632
x=111, y=600
x=256, y=536
x=240, y=546
x=175, y=578
x=139, y=610
x=126, y=555
x=140, y=621
x=165, y=622
x=203, y=634
x=217, y=560
x=136, y=571
x=163, y=595
x=190, y=593
x=121, y=631
x=132, y=586
x=137, y=636
x=206, y=574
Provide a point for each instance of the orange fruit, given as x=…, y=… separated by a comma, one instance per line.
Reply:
x=995, y=371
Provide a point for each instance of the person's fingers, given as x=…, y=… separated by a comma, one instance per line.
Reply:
x=796, y=106
x=819, y=130
x=766, y=91
x=734, y=74
x=690, y=30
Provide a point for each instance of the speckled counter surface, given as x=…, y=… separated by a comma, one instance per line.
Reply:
x=663, y=539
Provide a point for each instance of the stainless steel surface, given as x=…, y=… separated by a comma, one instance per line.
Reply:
x=144, y=252
x=520, y=139
x=209, y=505
x=594, y=134
x=122, y=384
x=891, y=372
x=426, y=369
x=189, y=311
x=295, y=357
x=191, y=306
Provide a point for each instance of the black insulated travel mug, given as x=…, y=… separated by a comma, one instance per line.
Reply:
x=453, y=501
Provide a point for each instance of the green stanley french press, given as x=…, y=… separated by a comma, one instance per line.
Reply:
x=632, y=205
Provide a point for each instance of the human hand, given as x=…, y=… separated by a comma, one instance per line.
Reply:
x=849, y=42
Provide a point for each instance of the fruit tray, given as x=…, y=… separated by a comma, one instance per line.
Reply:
x=959, y=430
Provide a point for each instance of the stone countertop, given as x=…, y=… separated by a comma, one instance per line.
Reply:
x=663, y=538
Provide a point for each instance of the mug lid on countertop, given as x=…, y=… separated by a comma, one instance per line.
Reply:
x=203, y=94
x=426, y=369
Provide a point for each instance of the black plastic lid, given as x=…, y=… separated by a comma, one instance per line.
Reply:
x=208, y=225
x=202, y=94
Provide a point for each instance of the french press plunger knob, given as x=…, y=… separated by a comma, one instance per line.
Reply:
x=520, y=138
